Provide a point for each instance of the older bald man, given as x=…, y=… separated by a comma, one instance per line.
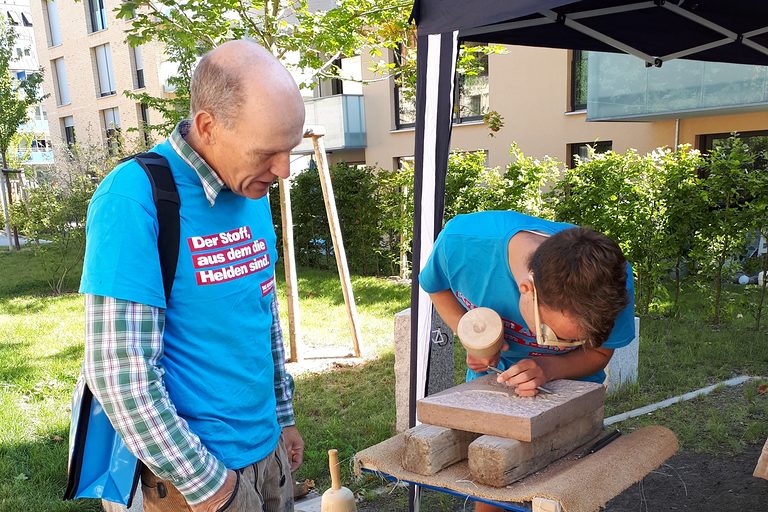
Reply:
x=197, y=387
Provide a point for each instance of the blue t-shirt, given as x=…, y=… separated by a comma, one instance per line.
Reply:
x=470, y=258
x=217, y=353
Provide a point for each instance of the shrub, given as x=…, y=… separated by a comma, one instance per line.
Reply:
x=54, y=219
x=357, y=198
x=53, y=213
x=525, y=182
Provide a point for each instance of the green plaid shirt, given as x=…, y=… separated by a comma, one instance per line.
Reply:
x=123, y=349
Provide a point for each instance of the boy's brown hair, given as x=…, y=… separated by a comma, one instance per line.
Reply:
x=583, y=273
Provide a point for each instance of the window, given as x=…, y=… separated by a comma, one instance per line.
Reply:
x=62, y=88
x=21, y=75
x=404, y=162
x=756, y=141
x=581, y=149
x=138, y=65
x=13, y=18
x=404, y=93
x=19, y=53
x=579, y=80
x=68, y=123
x=41, y=146
x=27, y=52
x=40, y=113
x=104, y=70
x=54, y=28
x=144, y=121
x=472, y=101
x=111, y=119
x=97, y=15
x=25, y=20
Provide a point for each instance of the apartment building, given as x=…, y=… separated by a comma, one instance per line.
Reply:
x=555, y=102
x=88, y=65
x=35, y=145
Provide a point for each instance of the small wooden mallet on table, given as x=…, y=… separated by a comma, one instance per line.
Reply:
x=337, y=498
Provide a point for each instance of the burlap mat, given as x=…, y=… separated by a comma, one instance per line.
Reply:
x=580, y=485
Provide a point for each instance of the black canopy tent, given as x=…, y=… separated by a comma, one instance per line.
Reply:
x=734, y=31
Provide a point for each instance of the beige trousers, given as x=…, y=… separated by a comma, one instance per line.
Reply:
x=265, y=486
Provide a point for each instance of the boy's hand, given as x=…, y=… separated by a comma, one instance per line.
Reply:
x=481, y=365
x=525, y=376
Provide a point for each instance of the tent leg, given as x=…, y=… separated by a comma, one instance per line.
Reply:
x=414, y=498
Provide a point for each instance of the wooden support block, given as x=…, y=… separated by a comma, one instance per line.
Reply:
x=497, y=461
x=545, y=505
x=761, y=470
x=428, y=448
x=487, y=407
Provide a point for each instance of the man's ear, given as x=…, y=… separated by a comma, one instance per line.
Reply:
x=205, y=125
x=525, y=286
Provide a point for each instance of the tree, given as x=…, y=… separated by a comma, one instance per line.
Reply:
x=306, y=40
x=685, y=199
x=16, y=96
x=301, y=38
x=727, y=184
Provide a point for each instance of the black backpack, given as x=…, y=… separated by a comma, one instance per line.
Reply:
x=166, y=198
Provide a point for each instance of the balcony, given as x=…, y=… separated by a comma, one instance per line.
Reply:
x=36, y=157
x=343, y=117
x=621, y=88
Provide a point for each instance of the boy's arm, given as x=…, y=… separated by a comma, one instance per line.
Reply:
x=448, y=308
x=576, y=363
x=451, y=312
x=528, y=374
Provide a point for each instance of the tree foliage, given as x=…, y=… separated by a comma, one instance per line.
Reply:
x=306, y=40
x=728, y=188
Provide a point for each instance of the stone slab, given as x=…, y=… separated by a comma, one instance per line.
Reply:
x=486, y=407
x=622, y=368
x=440, y=357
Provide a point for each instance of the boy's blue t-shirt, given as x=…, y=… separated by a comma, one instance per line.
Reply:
x=217, y=353
x=470, y=258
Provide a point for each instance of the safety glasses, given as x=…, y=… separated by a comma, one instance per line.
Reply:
x=544, y=334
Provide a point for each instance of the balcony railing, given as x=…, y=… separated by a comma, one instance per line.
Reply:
x=343, y=117
x=620, y=87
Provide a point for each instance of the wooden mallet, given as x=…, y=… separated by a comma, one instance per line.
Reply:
x=481, y=332
x=337, y=498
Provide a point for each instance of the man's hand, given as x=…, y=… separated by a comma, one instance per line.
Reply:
x=481, y=365
x=294, y=445
x=221, y=496
x=525, y=376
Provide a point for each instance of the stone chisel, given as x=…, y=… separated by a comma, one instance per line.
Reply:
x=540, y=388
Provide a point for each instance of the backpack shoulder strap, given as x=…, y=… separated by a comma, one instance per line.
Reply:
x=166, y=198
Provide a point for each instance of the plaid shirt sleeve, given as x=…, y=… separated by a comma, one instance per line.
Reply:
x=283, y=380
x=123, y=345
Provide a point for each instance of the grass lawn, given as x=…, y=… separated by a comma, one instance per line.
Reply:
x=348, y=408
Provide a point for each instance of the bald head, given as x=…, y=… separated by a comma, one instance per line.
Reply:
x=227, y=77
x=247, y=116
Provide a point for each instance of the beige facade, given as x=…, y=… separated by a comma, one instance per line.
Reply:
x=81, y=46
x=530, y=88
